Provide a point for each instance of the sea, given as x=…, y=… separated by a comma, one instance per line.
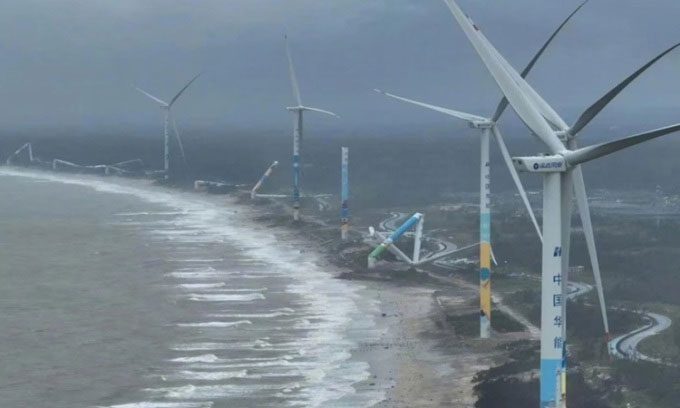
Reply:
x=119, y=293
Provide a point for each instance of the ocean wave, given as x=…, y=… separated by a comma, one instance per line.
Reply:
x=226, y=298
x=335, y=305
x=215, y=324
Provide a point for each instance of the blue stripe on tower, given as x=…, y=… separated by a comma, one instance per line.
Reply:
x=549, y=378
x=485, y=227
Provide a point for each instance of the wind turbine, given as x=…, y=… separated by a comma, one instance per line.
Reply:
x=168, y=116
x=488, y=126
x=559, y=169
x=265, y=176
x=298, y=110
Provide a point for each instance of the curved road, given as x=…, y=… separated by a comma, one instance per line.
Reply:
x=625, y=346
x=388, y=224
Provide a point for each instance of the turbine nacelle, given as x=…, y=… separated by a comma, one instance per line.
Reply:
x=540, y=164
x=481, y=124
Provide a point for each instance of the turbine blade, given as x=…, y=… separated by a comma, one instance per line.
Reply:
x=576, y=157
x=504, y=102
x=590, y=113
x=172, y=102
x=460, y=115
x=179, y=140
x=493, y=61
x=325, y=112
x=162, y=102
x=584, y=212
x=516, y=179
x=534, y=97
x=291, y=72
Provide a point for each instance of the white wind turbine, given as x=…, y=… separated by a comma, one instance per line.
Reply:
x=168, y=117
x=298, y=110
x=560, y=168
x=487, y=126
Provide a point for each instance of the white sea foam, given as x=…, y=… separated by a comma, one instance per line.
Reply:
x=145, y=213
x=204, y=358
x=209, y=375
x=329, y=372
x=221, y=364
x=248, y=315
x=198, y=297
x=206, y=392
x=206, y=346
x=197, y=275
x=215, y=324
x=156, y=404
x=237, y=290
x=259, y=344
x=198, y=286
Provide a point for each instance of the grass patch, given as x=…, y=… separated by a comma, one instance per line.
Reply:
x=467, y=325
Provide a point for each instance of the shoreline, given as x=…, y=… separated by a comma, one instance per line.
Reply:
x=418, y=360
x=414, y=355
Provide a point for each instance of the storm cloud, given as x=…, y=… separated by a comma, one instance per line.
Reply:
x=76, y=62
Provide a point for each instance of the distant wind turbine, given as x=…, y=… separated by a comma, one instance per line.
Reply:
x=167, y=109
x=297, y=131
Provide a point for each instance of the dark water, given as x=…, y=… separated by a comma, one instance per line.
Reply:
x=121, y=294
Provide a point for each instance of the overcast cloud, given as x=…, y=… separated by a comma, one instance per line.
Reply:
x=76, y=62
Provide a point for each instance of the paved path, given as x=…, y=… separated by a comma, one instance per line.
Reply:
x=626, y=346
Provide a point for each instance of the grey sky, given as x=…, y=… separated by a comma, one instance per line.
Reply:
x=76, y=62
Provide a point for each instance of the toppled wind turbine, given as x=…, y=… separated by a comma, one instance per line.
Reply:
x=28, y=148
x=298, y=110
x=387, y=243
x=265, y=176
x=560, y=172
x=488, y=126
x=168, y=116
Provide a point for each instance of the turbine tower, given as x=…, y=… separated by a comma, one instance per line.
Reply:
x=298, y=110
x=487, y=126
x=168, y=117
x=344, y=193
x=559, y=170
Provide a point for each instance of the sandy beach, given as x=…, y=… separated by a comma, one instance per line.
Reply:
x=415, y=356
